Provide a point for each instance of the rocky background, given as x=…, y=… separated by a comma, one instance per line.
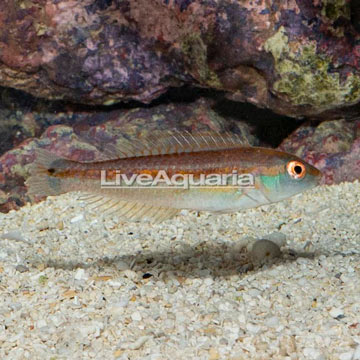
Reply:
x=76, y=73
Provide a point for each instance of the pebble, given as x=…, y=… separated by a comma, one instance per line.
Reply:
x=21, y=268
x=77, y=218
x=347, y=356
x=336, y=312
x=136, y=316
x=130, y=274
x=213, y=354
x=277, y=237
x=356, y=355
x=136, y=344
x=80, y=273
x=254, y=329
x=57, y=319
x=264, y=250
x=311, y=353
x=121, y=265
x=272, y=321
x=13, y=235
x=41, y=323
x=147, y=276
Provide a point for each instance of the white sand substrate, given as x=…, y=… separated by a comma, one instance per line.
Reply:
x=76, y=285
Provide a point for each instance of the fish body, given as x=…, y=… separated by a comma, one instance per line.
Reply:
x=266, y=175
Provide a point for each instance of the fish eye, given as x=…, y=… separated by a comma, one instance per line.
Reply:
x=296, y=169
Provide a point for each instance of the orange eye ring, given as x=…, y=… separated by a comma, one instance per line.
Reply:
x=296, y=169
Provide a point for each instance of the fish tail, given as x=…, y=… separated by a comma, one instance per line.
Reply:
x=42, y=180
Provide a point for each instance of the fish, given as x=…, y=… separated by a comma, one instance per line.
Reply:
x=226, y=176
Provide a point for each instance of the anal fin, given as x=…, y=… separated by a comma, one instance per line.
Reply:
x=130, y=210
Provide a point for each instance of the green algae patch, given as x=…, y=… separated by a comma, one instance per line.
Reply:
x=110, y=101
x=195, y=50
x=20, y=170
x=334, y=9
x=304, y=78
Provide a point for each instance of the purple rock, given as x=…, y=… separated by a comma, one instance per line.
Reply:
x=299, y=58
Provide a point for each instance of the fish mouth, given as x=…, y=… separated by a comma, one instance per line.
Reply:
x=316, y=173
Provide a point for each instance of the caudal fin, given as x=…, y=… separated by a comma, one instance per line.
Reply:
x=42, y=181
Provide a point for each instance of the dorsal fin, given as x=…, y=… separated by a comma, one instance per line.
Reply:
x=167, y=142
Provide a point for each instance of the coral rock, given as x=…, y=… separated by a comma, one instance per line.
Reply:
x=298, y=58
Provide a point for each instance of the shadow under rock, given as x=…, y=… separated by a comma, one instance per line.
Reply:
x=202, y=261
